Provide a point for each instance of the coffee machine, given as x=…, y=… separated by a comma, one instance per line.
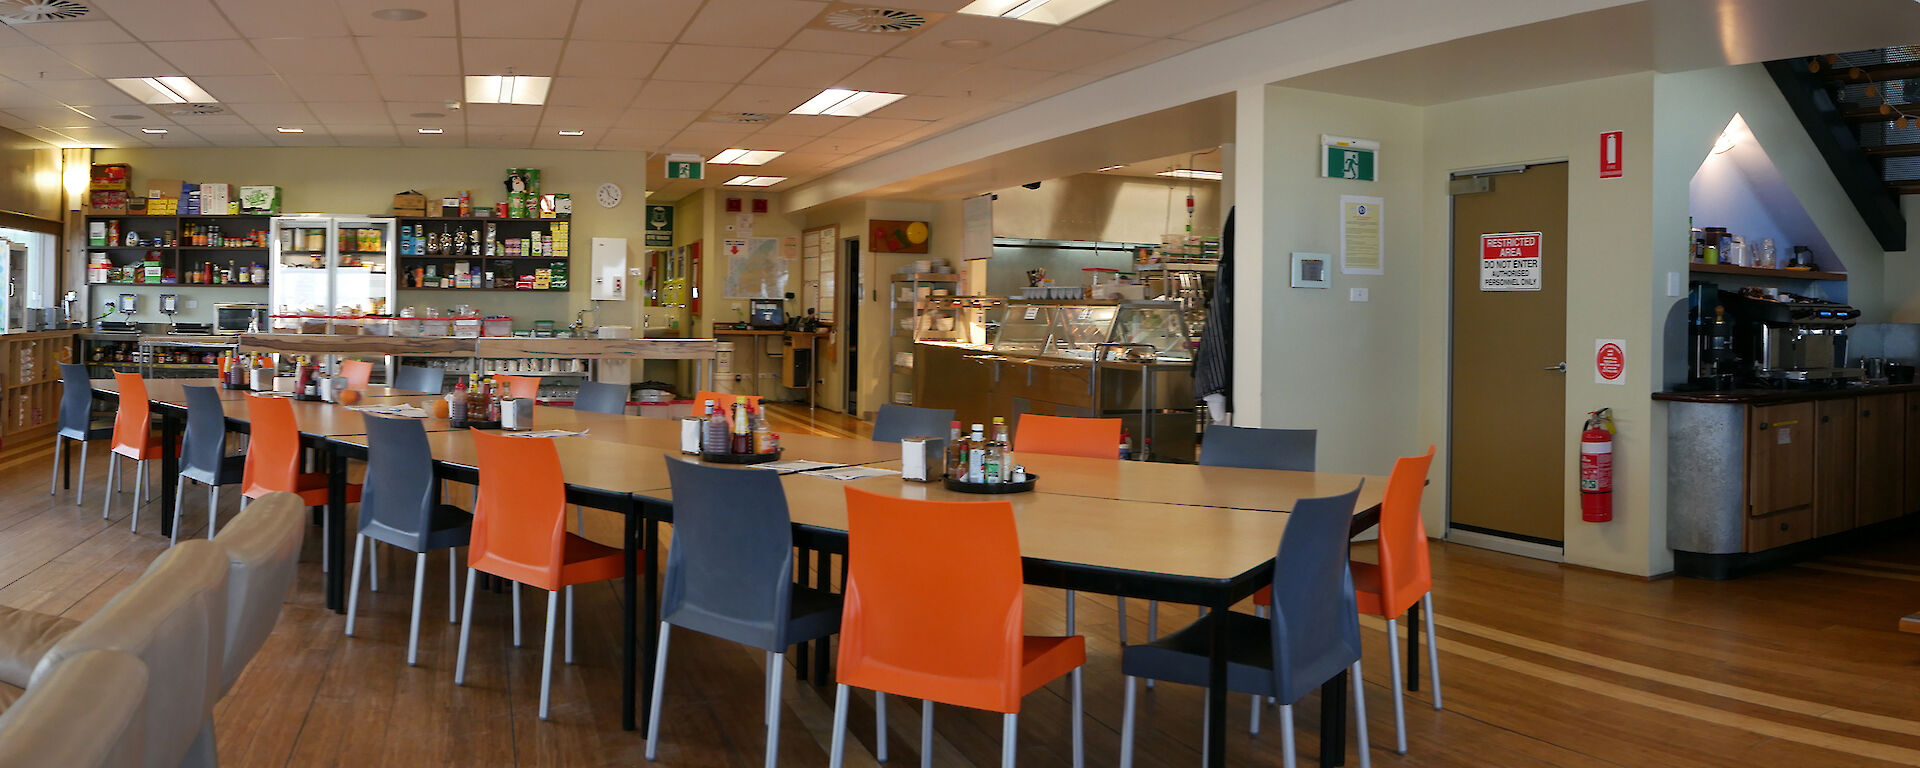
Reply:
x=1789, y=338
x=1711, y=361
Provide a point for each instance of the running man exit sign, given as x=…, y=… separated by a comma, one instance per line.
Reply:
x=1344, y=158
x=685, y=167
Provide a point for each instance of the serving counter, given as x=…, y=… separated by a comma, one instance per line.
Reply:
x=596, y=351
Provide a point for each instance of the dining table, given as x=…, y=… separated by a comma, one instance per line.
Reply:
x=1178, y=533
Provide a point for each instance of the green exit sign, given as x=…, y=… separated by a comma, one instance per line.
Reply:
x=686, y=169
x=1343, y=158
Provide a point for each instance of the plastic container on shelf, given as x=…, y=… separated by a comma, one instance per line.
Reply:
x=436, y=326
x=466, y=327
x=496, y=326
x=286, y=323
x=376, y=326
x=407, y=326
x=315, y=324
x=349, y=325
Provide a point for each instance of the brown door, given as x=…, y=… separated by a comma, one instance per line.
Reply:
x=1780, y=458
x=1509, y=441
x=1833, y=465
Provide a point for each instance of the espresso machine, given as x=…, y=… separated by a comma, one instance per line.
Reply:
x=1711, y=361
x=1786, y=338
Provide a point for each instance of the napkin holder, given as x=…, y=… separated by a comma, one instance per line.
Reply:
x=691, y=432
x=923, y=458
x=516, y=414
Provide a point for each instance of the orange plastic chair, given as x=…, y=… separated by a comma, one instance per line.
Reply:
x=132, y=438
x=357, y=373
x=1067, y=436
x=521, y=386
x=273, y=456
x=1403, y=578
x=520, y=534
x=934, y=610
x=723, y=399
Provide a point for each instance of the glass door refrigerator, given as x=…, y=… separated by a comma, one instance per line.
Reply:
x=363, y=274
x=298, y=286
x=330, y=270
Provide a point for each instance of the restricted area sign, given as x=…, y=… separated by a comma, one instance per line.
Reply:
x=1609, y=361
x=1510, y=261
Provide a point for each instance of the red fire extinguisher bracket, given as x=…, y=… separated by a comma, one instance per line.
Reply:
x=1596, y=467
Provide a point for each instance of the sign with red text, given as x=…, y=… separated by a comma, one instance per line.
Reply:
x=1609, y=361
x=1611, y=146
x=1510, y=261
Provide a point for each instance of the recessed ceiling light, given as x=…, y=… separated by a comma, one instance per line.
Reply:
x=745, y=157
x=428, y=115
x=1189, y=173
x=507, y=89
x=153, y=130
x=161, y=90
x=840, y=102
x=1109, y=168
x=432, y=131
x=1043, y=11
x=399, y=14
x=573, y=133
x=964, y=43
x=754, y=181
x=285, y=129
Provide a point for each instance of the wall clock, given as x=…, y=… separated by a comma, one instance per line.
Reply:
x=609, y=195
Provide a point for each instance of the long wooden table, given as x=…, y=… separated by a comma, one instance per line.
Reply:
x=1180, y=533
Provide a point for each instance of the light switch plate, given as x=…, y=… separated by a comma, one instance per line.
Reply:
x=1675, y=286
x=193, y=304
x=1357, y=294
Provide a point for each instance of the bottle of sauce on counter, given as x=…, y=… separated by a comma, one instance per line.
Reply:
x=762, y=434
x=1003, y=449
x=741, y=438
x=1126, y=445
x=714, y=439
x=977, y=455
x=457, y=405
x=956, y=461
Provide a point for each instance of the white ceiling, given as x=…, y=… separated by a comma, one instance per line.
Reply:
x=634, y=74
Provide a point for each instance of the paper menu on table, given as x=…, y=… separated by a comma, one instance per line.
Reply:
x=546, y=433
x=407, y=411
x=851, y=473
x=798, y=465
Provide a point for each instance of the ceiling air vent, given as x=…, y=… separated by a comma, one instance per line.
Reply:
x=875, y=20
x=36, y=11
x=194, y=110
x=738, y=117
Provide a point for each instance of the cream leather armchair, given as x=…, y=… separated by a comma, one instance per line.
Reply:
x=88, y=712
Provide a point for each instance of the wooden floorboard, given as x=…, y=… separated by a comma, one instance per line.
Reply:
x=1542, y=665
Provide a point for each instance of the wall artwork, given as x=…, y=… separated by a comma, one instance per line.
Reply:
x=890, y=236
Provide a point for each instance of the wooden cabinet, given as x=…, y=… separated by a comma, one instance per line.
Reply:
x=1833, y=481
x=1779, y=530
x=30, y=380
x=1879, y=457
x=1911, y=499
x=1780, y=459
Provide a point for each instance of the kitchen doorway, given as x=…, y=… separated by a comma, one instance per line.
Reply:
x=1507, y=488
x=853, y=294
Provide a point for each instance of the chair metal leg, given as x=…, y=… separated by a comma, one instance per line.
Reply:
x=113, y=484
x=1126, y=728
x=1120, y=607
x=1009, y=730
x=1433, y=649
x=453, y=589
x=1360, y=716
x=1206, y=727
x=59, y=449
x=373, y=560
x=1253, y=706
x=1286, y=734
x=1079, y=731
x=139, y=494
x=546, y=652
x=80, y=485
x=773, y=714
x=766, y=707
x=659, y=684
x=1393, y=662
x=569, y=591
x=1070, y=601
x=466, y=623
x=413, y=625
x=837, y=753
x=353, y=580
x=926, y=733
x=879, y=726
x=516, y=614
x=179, y=505
x=213, y=511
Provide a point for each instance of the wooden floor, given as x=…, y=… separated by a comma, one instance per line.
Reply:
x=1542, y=666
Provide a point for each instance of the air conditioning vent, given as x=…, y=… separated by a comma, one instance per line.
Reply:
x=737, y=117
x=881, y=20
x=37, y=11
x=194, y=110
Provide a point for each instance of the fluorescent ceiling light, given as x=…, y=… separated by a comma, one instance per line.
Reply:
x=1188, y=173
x=573, y=133
x=162, y=90
x=507, y=89
x=840, y=102
x=432, y=131
x=153, y=130
x=1109, y=168
x=284, y=129
x=745, y=157
x=1043, y=11
x=754, y=181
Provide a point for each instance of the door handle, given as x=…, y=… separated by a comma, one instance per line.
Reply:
x=1561, y=368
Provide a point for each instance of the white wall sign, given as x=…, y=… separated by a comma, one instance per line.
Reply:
x=1510, y=261
x=1360, y=235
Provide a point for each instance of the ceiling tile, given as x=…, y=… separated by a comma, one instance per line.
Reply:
x=662, y=94
x=1061, y=83
x=696, y=144
x=404, y=111
x=331, y=87
x=75, y=32
x=1150, y=17
x=230, y=135
x=420, y=87
x=410, y=136
x=9, y=37
x=656, y=21
x=269, y=115
x=986, y=82
x=77, y=92
x=515, y=18
x=764, y=23
x=607, y=58
x=875, y=129
x=411, y=55
x=499, y=56
x=834, y=145
x=805, y=125
x=896, y=75
x=765, y=99
x=1000, y=36
x=732, y=133
x=52, y=117
x=314, y=137
x=18, y=95
x=440, y=20
x=244, y=88
x=1064, y=49
x=224, y=118
x=778, y=143
x=353, y=113
x=29, y=63
x=284, y=18
x=701, y=63
x=517, y=115
x=1138, y=57
x=202, y=58
x=595, y=91
x=634, y=139
x=573, y=118
x=171, y=20
x=116, y=59
x=657, y=119
x=927, y=108
x=102, y=137
x=1265, y=14
x=807, y=69
x=500, y=137
x=312, y=55
x=872, y=44
x=377, y=131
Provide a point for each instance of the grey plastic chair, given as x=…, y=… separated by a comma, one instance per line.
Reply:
x=76, y=423
x=414, y=378
x=601, y=397
x=897, y=422
x=401, y=506
x=203, y=456
x=1254, y=448
x=730, y=575
x=1313, y=636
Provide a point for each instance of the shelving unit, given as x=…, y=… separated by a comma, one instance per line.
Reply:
x=912, y=316
x=429, y=244
x=32, y=384
x=174, y=254
x=1784, y=274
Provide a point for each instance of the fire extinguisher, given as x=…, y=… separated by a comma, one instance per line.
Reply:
x=1596, y=467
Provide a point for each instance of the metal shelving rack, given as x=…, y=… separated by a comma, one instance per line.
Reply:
x=912, y=315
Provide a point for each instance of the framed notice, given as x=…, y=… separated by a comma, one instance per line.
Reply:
x=1360, y=235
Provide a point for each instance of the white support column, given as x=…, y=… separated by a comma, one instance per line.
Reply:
x=1246, y=177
